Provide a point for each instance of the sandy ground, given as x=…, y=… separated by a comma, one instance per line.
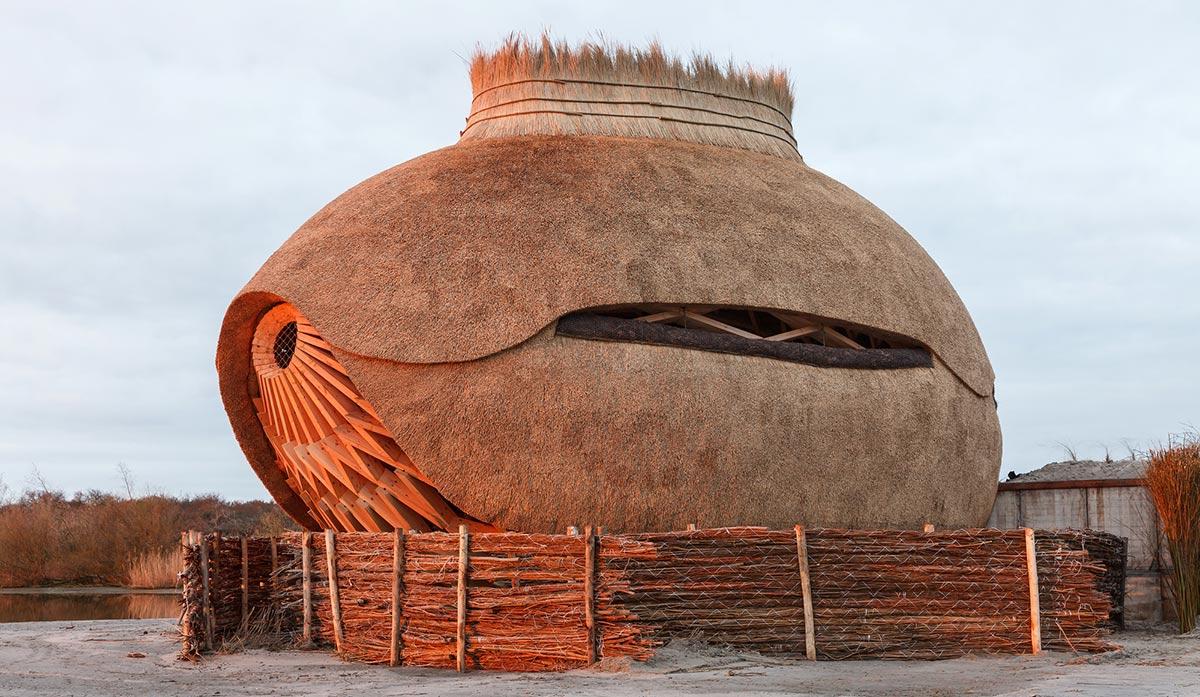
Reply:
x=94, y=658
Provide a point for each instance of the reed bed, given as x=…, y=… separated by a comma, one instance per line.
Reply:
x=874, y=594
x=157, y=568
x=1173, y=480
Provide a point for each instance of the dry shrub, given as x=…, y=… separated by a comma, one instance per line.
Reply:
x=1173, y=479
x=156, y=568
x=47, y=538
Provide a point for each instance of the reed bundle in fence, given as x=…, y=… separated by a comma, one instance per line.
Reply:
x=515, y=601
x=1105, y=549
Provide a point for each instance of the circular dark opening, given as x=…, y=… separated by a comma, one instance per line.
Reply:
x=285, y=345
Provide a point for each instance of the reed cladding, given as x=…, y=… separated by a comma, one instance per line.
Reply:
x=1173, y=480
x=875, y=594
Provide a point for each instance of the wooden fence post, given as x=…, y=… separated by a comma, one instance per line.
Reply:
x=306, y=561
x=589, y=591
x=810, y=638
x=464, y=542
x=245, y=579
x=335, y=600
x=207, y=598
x=215, y=558
x=397, y=592
x=1035, y=612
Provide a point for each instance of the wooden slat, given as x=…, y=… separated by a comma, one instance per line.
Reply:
x=718, y=325
x=589, y=592
x=810, y=638
x=245, y=543
x=662, y=316
x=306, y=566
x=335, y=599
x=397, y=596
x=464, y=542
x=839, y=338
x=320, y=421
x=794, y=333
x=206, y=601
x=1035, y=619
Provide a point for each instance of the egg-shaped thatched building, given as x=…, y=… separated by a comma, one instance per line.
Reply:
x=621, y=298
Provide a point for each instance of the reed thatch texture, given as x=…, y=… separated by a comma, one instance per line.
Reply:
x=472, y=249
x=872, y=594
x=438, y=284
x=633, y=437
x=545, y=88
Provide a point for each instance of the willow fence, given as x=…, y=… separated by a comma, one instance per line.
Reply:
x=530, y=602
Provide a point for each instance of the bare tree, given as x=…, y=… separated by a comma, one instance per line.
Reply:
x=37, y=481
x=126, y=478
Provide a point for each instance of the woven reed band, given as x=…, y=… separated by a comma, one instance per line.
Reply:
x=515, y=107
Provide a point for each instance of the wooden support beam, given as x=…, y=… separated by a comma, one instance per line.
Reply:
x=245, y=579
x=306, y=564
x=209, y=622
x=717, y=325
x=840, y=339
x=589, y=592
x=810, y=638
x=397, y=596
x=666, y=316
x=794, y=333
x=1035, y=618
x=464, y=543
x=334, y=598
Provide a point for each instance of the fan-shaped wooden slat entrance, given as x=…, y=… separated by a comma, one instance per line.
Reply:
x=330, y=443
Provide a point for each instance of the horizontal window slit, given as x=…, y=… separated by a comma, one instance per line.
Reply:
x=773, y=334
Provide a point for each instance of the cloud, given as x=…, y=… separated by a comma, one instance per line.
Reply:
x=152, y=155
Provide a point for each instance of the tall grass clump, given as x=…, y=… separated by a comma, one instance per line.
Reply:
x=155, y=568
x=1173, y=480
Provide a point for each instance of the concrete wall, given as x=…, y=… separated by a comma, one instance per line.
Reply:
x=1125, y=511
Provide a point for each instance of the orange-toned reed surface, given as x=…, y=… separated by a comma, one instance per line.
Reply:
x=526, y=598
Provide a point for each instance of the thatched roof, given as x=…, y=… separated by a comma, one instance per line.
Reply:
x=438, y=284
x=528, y=87
x=471, y=249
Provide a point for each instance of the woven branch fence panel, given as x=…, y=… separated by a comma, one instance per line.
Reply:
x=537, y=602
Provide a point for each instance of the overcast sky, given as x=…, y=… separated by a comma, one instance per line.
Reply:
x=153, y=154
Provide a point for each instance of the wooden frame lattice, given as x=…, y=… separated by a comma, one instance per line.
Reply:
x=751, y=323
x=330, y=443
x=774, y=325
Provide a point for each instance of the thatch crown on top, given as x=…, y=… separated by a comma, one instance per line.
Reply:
x=520, y=57
x=543, y=87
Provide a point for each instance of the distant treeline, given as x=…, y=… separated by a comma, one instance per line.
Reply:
x=94, y=537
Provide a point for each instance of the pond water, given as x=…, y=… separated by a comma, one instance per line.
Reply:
x=56, y=604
